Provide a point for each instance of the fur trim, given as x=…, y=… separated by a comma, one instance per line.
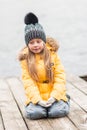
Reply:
x=23, y=54
x=51, y=44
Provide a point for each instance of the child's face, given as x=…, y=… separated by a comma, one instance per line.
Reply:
x=36, y=45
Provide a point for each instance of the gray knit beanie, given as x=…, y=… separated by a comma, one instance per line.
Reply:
x=33, y=29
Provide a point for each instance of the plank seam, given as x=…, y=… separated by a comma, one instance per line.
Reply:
x=77, y=87
x=72, y=122
x=2, y=120
x=79, y=105
x=16, y=103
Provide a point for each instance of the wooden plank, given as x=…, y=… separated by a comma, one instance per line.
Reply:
x=1, y=122
x=79, y=97
x=18, y=92
x=77, y=82
x=11, y=116
x=62, y=124
x=76, y=115
x=47, y=124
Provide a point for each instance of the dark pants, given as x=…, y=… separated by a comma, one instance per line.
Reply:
x=58, y=109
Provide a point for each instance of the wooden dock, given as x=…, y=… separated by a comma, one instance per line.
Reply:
x=12, y=114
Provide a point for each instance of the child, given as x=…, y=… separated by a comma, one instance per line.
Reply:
x=42, y=73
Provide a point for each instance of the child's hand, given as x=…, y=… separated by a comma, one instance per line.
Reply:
x=44, y=104
x=51, y=100
x=48, y=103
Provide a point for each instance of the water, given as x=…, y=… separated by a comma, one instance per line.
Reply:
x=65, y=20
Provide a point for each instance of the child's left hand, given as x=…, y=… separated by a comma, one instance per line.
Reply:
x=51, y=100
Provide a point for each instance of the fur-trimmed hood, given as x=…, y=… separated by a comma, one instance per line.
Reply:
x=51, y=44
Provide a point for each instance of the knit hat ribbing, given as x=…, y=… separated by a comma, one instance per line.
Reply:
x=33, y=29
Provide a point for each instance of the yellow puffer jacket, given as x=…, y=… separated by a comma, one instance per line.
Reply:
x=36, y=91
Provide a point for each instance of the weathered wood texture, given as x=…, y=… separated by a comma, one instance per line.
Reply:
x=12, y=113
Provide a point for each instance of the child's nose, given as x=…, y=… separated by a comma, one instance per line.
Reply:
x=35, y=44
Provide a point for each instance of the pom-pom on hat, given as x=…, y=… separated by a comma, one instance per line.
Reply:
x=33, y=29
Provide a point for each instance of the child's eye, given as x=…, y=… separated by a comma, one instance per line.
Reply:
x=38, y=41
x=31, y=43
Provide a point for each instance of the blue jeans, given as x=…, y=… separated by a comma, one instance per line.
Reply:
x=58, y=109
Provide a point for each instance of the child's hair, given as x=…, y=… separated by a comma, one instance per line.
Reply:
x=45, y=54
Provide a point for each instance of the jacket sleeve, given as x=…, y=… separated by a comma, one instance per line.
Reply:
x=31, y=89
x=59, y=89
